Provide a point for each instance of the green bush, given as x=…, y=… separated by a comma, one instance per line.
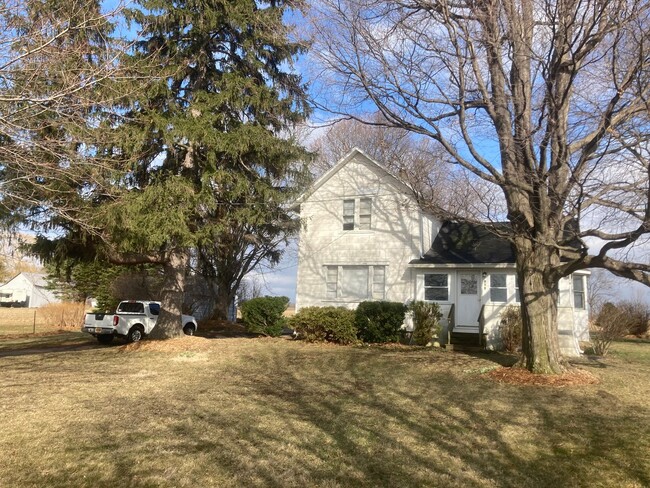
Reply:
x=426, y=321
x=263, y=315
x=510, y=328
x=379, y=321
x=331, y=324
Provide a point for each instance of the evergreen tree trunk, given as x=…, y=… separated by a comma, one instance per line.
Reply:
x=539, y=307
x=221, y=305
x=225, y=295
x=169, y=323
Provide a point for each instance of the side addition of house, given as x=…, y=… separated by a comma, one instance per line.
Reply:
x=364, y=237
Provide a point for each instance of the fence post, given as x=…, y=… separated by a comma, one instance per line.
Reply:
x=34, y=321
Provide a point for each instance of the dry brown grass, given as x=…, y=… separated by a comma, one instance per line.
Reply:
x=234, y=412
x=51, y=317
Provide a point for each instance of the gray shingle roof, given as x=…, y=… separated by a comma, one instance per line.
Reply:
x=464, y=243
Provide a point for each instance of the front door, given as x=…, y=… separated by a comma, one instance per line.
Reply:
x=469, y=303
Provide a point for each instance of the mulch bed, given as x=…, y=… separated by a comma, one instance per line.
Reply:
x=519, y=376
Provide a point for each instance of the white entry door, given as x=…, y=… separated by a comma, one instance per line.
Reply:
x=469, y=304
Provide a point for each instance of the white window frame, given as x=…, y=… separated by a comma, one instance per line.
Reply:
x=376, y=282
x=504, y=287
x=360, y=218
x=349, y=221
x=436, y=287
x=581, y=292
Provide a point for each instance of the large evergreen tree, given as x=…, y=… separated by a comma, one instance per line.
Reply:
x=208, y=138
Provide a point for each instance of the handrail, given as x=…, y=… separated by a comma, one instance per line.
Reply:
x=481, y=325
x=450, y=322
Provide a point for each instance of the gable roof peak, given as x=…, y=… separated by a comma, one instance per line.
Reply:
x=344, y=161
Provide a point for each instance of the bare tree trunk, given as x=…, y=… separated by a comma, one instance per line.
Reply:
x=169, y=323
x=225, y=296
x=539, y=307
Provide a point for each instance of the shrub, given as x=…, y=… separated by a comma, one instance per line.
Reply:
x=510, y=328
x=426, y=321
x=379, y=321
x=616, y=321
x=637, y=316
x=263, y=315
x=331, y=324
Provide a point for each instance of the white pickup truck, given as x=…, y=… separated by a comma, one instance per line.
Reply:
x=133, y=320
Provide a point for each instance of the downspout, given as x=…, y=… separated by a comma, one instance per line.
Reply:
x=421, y=235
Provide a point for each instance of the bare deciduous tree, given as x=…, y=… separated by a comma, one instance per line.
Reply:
x=417, y=161
x=547, y=100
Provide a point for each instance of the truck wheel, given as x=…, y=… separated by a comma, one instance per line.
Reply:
x=105, y=339
x=135, y=334
x=189, y=329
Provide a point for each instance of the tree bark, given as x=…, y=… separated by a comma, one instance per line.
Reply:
x=169, y=324
x=539, y=307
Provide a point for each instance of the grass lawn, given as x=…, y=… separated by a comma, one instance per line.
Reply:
x=280, y=413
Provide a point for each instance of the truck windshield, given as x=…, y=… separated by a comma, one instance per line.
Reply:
x=130, y=307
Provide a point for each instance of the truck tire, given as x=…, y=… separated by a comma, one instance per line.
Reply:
x=135, y=334
x=188, y=329
x=105, y=338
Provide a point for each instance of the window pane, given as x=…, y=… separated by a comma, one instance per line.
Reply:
x=578, y=283
x=468, y=284
x=364, y=221
x=498, y=294
x=579, y=300
x=437, y=294
x=435, y=280
x=378, y=282
x=354, y=282
x=154, y=308
x=498, y=281
x=348, y=207
x=365, y=204
x=332, y=276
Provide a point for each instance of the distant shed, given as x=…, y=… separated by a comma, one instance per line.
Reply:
x=27, y=290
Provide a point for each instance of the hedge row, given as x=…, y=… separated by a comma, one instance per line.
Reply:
x=371, y=322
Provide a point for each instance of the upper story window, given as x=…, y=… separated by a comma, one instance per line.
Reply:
x=579, y=292
x=436, y=287
x=357, y=213
x=365, y=213
x=348, y=214
x=498, y=288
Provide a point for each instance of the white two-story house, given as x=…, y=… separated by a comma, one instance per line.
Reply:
x=364, y=237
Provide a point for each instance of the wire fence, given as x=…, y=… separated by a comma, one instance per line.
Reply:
x=50, y=318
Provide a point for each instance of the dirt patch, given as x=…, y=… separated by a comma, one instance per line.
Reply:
x=519, y=376
x=176, y=345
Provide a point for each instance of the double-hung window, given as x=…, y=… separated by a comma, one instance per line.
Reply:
x=436, y=287
x=499, y=287
x=348, y=214
x=579, y=292
x=357, y=214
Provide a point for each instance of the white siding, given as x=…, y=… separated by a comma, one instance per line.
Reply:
x=393, y=240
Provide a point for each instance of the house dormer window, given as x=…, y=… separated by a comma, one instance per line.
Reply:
x=357, y=213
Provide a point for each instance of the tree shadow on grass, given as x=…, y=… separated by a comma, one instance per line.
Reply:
x=359, y=418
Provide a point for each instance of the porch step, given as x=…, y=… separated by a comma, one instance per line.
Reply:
x=464, y=348
x=465, y=338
